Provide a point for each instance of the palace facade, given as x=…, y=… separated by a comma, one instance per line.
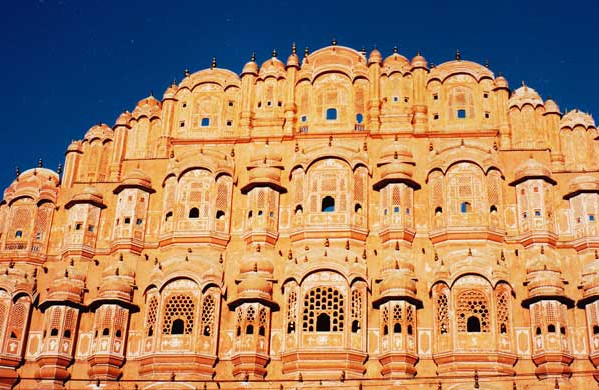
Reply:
x=341, y=220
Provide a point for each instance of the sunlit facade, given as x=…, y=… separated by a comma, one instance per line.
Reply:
x=341, y=220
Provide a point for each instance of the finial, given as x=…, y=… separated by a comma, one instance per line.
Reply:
x=296, y=148
x=487, y=63
x=334, y=42
x=253, y=57
x=418, y=53
x=523, y=84
x=290, y=254
x=364, y=254
x=326, y=242
x=255, y=267
x=396, y=245
x=121, y=257
x=596, y=255
x=395, y=49
x=365, y=146
x=469, y=251
x=232, y=152
x=293, y=49
x=330, y=140
x=116, y=271
x=556, y=384
x=186, y=258
x=306, y=51
x=542, y=250
x=213, y=65
x=220, y=259
x=18, y=171
x=151, y=92
x=432, y=65
x=325, y=253
x=66, y=273
x=258, y=249
x=186, y=73
x=502, y=256
x=40, y=163
x=395, y=155
x=476, y=385
x=274, y=53
x=458, y=55
x=347, y=245
x=363, y=50
x=59, y=169
x=436, y=256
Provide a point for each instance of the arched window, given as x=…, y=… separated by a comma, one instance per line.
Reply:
x=54, y=332
x=461, y=114
x=67, y=334
x=18, y=234
x=410, y=330
x=355, y=326
x=359, y=118
x=178, y=326
x=261, y=331
x=473, y=325
x=106, y=332
x=323, y=310
x=323, y=323
x=250, y=214
x=328, y=204
x=397, y=328
x=299, y=209
x=385, y=330
x=358, y=208
x=595, y=329
x=538, y=331
x=194, y=212
x=438, y=210
x=331, y=114
x=551, y=328
x=220, y=214
x=493, y=209
x=118, y=334
x=465, y=207
x=249, y=329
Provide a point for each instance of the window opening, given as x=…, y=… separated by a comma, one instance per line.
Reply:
x=323, y=323
x=358, y=208
x=261, y=331
x=551, y=328
x=178, y=326
x=220, y=214
x=359, y=118
x=249, y=329
x=397, y=328
x=461, y=114
x=67, y=334
x=465, y=207
x=328, y=204
x=54, y=332
x=127, y=220
x=331, y=114
x=355, y=326
x=493, y=208
x=168, y=216
x=205, y=122
x=194, y=212
x=473, y=324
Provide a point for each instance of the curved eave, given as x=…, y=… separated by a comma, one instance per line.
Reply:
x=121, y=187
x=560, y=298
x=248, y=187
x=73, y=202
x=96, y=303
x=266, y=302
x=383, y=182
x=532, y=177
x=57, y=302
x=414, y=301
x=578, y=192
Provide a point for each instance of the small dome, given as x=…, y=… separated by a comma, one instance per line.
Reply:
x=525, y=95
x=577, y=118
x=135, y=179
x=101, y=131
x=74, y=146
x=551, y=107
x=501, y=82
x=250, y=67
x=170, y=91
x=123, y=119
x=396, y=61
x=419, y=62
x=532, y=169
x=272, y=66
x=293, y=59
x=254, y=284
x=580, y=184
x=89, y=195
x=375, y=57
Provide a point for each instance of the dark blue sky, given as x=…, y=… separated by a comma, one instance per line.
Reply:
x=68, y=64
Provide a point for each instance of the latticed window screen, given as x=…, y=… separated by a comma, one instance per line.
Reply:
x=397, y=317
x=3, y=309
x=473, y=303
x=69, y=322
x=18, y=319
x=323, y=302
x=409, y=316
x=461, y=98
x=179, y=307
x=442, y=312
x=385, y=320
x=151, y=316
x=329, y=178
x=208, y=310
x=503, y=312
x=291, y=311
x=494, y=188
x=356, y=305
x=56, y=317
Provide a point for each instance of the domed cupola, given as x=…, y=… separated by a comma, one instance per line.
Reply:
x=250, y=67
x=136, y=179
x=501, y=82
x=265, y=170
x=117, y=284
x=396, y=165
x=590, y=282
x=272, y=67
x=66, y=288
x=255, y=280
x=89, y=195
x=171, y=91
x=525, y=95
x=293, y=59
x=577, y=118
x=100, y=131
x=419, y=62
x=149, y=107
x=532, y=169
x=395, y=62
x=375, y=57
x=584, y=184
x=123, y=119
x=397, y=280
x=551, y=107
x=544, y=279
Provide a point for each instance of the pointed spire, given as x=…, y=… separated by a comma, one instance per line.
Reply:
x=293, y=49
x=274, y=53
x=17, y=171
x=418, y=53
x=306, y=51
x=186, y=73
x=253, y=57
x=40, y=163
x=363, y=51
x=395, y=50
x=458, y=55
x=213, y=65
x=151, y=93
x=59, y=169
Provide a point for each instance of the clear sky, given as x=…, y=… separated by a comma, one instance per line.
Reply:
x=66, y=65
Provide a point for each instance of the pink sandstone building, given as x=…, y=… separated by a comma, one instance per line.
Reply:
x=341, y=220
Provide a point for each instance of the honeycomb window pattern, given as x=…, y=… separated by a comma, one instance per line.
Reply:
x=179, y=307
x=323, y=302
x=208, y=315
x=473, y=303
x=151, y=316
x=503, y=312
x=442, y=313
